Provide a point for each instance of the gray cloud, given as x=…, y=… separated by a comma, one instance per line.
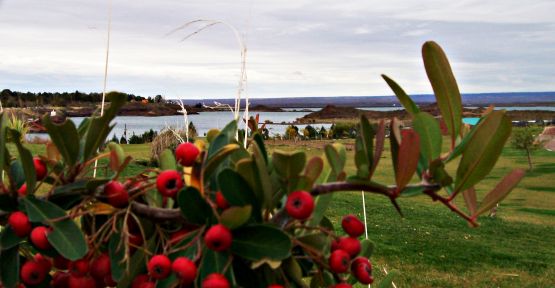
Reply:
x=295, y=48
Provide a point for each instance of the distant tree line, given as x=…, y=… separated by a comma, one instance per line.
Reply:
x=29, y=99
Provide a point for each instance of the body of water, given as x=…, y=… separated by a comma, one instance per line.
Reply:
x=203, y=122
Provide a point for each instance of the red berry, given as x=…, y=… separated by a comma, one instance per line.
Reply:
x=221, y=202
x=100, y=267
x=276, y=286
x=339, y=261
x=61, y=263
x=341, y=285
x=39, y=239
x=186, y=154
x=32, y=273
x=81, y=281
x=350, y=245
x=139, y=280
x=79, y=267
x=169, y=182
x=185, y=270
x=215, y=280
x=159, y=266
x=218, y=238
x=40, y=168
x=300, y=205
x=352, y=225
x=60, y=280
x=117, y=194
x=44, y=262
x=22, y=191
x=20, y=223
x=362, y=270
x=334, y=245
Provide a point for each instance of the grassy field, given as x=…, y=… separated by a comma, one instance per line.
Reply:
x=432, y=247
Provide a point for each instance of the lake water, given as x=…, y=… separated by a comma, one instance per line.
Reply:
x=208, y=120
x=203, y=122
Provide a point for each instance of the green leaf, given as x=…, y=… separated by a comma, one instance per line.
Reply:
x=313, y=169
x=412, y=191
x=262, y=174
x=483, y=150
x=257, y=242
x=218, y=157
x=116, y=251
x=388, y=279
x=65, y=237
x=409, y=151
x=65, y=137
x=136, y=265
x=167, y=160
x=8, y=239
x=213, y=262
x=439, y=174
x=68, y=195
x=235, y=189
x=193, y=206
x=378, y=150
x=226, y=136
x=236, y=216
x=99, y=127
x=395, y=140
x=428, y=129
x=445, y=87
x=289, y=164
x=501, y=190
x=26, y=159
x=16, y=173
x=9, y=267
x=405, y=100
x=318, y=241
x=336, y=154
x=260, y=143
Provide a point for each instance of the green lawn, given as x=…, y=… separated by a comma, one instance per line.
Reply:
x=432, y=247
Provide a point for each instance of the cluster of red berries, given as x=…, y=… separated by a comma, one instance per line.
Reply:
x=168, y=182
x=21, y=226
x=40, y=171
x=82, y=273
x=345, y=250
x=160, y=267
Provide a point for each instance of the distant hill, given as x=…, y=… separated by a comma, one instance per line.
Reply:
x=474, y=99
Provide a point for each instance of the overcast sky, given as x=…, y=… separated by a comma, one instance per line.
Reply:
x=295, y=48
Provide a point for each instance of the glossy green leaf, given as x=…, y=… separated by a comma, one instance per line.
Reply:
x=66, y=237
x=9, y=267
x=289, y=164
x=65, y=137
x=483, y=150
x=313, y=169
x=293, y=271
x=260, y=143
x=99, y=127
x=236, y=216
x=428, y=129
x=226, y=136
x=409, y=151
x=257, y=242
x=116, y=251
x=213, y=262
x=318, y=241
x=26, y=159
x=444, y=85
x=167, y=160
x=68, y=195
x=16, y=173
x=262, y=174
x=235, y=189
x=8, y=239
x=394, y=142
x=193, y=206
x=501, y=190
x=366, y=137
x=218, y=157
x=405, y=100
x=388, y=279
